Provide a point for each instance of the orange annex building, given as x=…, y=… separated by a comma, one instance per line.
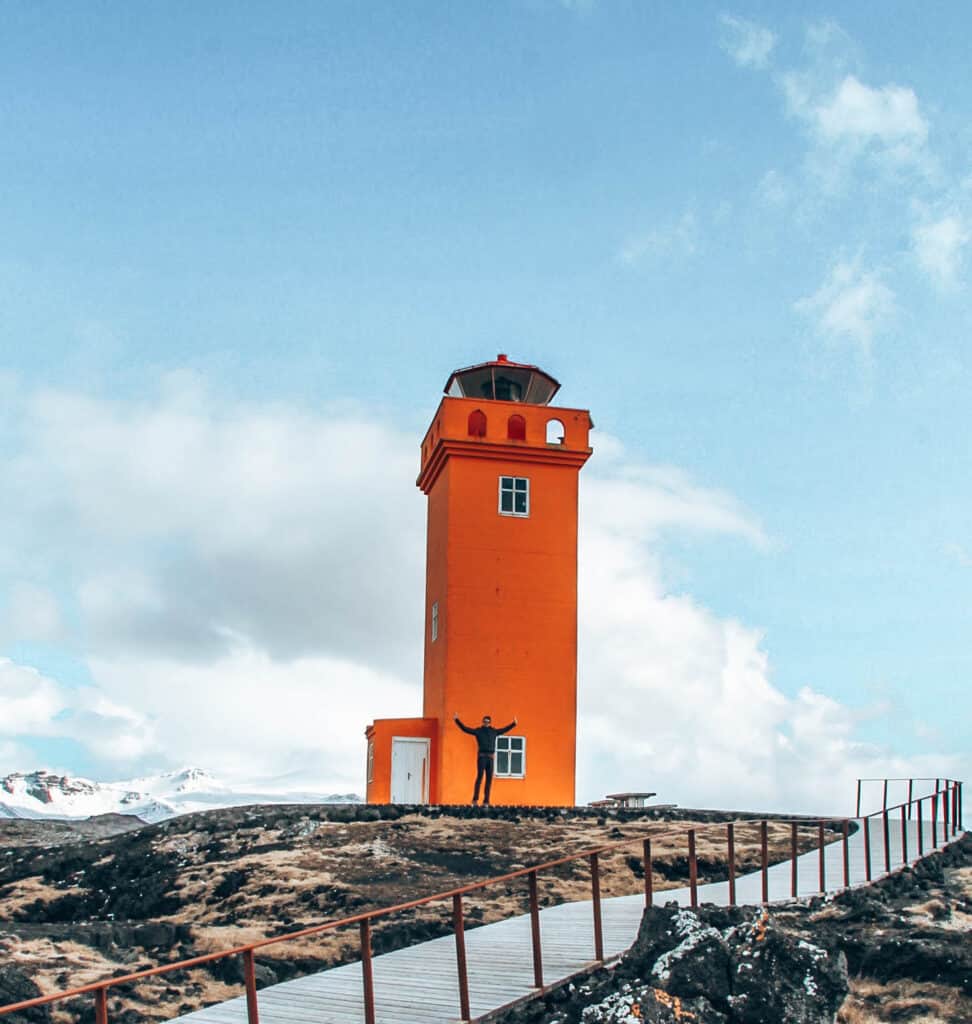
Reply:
x=500, y=467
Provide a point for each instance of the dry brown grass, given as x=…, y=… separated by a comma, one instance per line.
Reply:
x=26, y=892
x=870, y=1002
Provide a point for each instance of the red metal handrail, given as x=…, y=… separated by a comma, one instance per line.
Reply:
x=938, y=780
x=951, y=792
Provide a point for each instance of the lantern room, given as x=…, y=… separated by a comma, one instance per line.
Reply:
x=503, y=381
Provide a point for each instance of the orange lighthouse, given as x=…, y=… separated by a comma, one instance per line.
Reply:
x=500, y=467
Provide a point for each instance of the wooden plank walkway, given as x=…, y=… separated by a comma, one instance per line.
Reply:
x=418, y=985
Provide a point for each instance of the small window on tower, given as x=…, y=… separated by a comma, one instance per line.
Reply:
x=514, y=496
x=371, y=761
x=516, y=428
x=435, y=621
x=477, y=423
x=510, y=757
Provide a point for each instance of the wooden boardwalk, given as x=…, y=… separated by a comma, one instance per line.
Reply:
x=418, y=985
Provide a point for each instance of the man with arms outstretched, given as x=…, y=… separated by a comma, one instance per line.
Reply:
x=486, y=752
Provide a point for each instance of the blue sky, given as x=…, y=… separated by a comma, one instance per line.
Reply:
x=243, y=246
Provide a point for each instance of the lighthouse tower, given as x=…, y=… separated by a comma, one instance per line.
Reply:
x=500, y=468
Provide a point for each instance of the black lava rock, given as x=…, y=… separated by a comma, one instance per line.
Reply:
x=776, y=976
x=16, y=987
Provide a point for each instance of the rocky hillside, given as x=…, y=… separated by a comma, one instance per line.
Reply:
x=75, y=910
x=898, y=950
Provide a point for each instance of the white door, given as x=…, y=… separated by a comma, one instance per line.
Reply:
x=409, y=770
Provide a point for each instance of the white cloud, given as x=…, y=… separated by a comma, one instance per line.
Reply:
x=747, y=43
x=677, y=700
x=656, y=498
x=773, y=189
x=13, y=756
x=959, y=554
x=852, y=304
x=28, y=701
x=247, y=714
x=849, y=119
x=33, y=705
x=113, y=731
x=31, y=612
x=938, y=247
x=888, y=116
x=189, y=520
x=677, y=240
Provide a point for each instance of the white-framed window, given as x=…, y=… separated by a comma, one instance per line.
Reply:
x=514, y=496
x=371, y=761
x=510, y=757
x=435, y=621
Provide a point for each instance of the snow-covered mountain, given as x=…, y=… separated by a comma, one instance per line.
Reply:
x=43, y=794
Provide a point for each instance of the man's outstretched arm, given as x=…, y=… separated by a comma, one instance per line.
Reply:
x=506, y=728
x=465, y=728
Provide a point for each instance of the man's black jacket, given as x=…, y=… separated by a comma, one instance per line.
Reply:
x=485, y=735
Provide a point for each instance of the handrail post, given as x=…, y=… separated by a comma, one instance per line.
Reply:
x=249, y=980
x=367, y=977
x=911, y=795
x=846, y=854
x=460, y=933
x=867, y=848
x=731, y=854
x=764, y=858
x=693, y=868
x=535, y=932
x=945, y=812
x=793, y=858
x=886, y=826
x=596, y=901
x=101, y=1005
x=649, y=882
x=921, y=830
x=858, y=814
x=935, y=830
x=884, y=799
x=823, y=866
x=904, y=836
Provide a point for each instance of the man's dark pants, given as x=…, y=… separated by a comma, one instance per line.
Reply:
x=484, y=766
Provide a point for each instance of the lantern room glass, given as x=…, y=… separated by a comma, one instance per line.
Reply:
x=503, y=381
